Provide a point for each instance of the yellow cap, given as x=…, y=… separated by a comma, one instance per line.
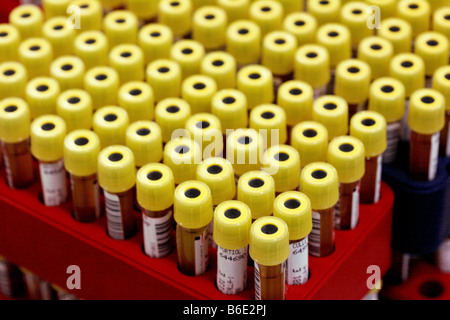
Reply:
x=336, y=39
x=144, y=139
x=290, y=6
x=47, y=138
x=171, y=114
x=189, y=54
x=81, y=149
x=14, y=120
x=218, y=174
x=56, y=31
x=346, y=154
x=92, y=48
x=296, y=99
x=102, y=83
x=426, y=111
x=206, y=130
x=9, y=42
x=319, y=182
x=232, y=223
x=441, y=22
x=294, y=208
x=41, y=95
x=143, y=9
x=110, y=124
x=387, y=8
x=235, y=9
x=269, y=241
x=155, y=40
x=325, y=11
x=155, y=187
x=75, y=107
x=230, y=106
x=278, y=52
x=355, y=15
x=136, y=97
x=176, y=15
x=36, y=54
x=436, y=4
x=409, y=68
x=310, y=139
x=398, y=32
x=120, y=26
x=332, y=112
x=54, y=8
x=164, y=76
x=256, y=82
x=68, y=71
x=433, y=47
x=270, y=121
x=370, y=128
x=116, y=169
x=128, y=60
x=28, y=19
x=417, y=13
x=441, y=83
x=182, y=155
x=353, y=80
x=387, y=97
x=243, y=41
x=193, y=205
x=282, y=162
x=13, y=79
x=90, y=15
x=257, y=190
x=377, y=52
x=267, y=14
x=198, y=91
x=111, y=4
x=221, y=66
x=302, y=25
x=312, y=65
x=209, y=25
x=244, y=148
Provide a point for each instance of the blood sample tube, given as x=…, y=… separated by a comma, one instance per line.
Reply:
x=398, y=32
x=12, y=284
x=117, y=178
x=171, y=114
x=267, y=14
x=15, y=138
x=120, y=27
x=102, y=83
x=230, y=106
x=387, y=97
x=128, y=60
x=32, y=284
x=243, y=42
x=182, y=155
x=377, y=52
x=370, y=128
x=47, y=146
x=61, y=37
x=269, y=248
x=282, y=162
x=92, y=48
x=110, y=123
x=13, y=79
x=198, y=91
x=256, y=82
x=426, y=119
x=294, y=208
x=206, y=130
x=355, y=15
x=388, y=8
x=441, y=83
x=221, y=66
x=54, y=8
x=441, y=21
x=417, y=13
x=302, y=25
x=270, y=121
x=176, y=14
x=346, y=155
x=74, y=106
x=257, y=190
x=143, y=138
x=155, y=40
x=68, y=71
x=310, y=139
x=41, y=95
x=81, y=149
x=193, y=212
x=235, y=9
x=154, y=192
x=36, y=54
x=28, y=19
x=189, y=54
x=332, y=112
x=136, y=97
x=209, y=25
x=325, y=11
x=164, y=76
x=9, y=42
x=319, y=182
x=146, y=11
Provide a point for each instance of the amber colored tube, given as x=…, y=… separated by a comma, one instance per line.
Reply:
x=321, y=238
x=33, y=285
x=444, y=149
x=85, y=197
x=370, y=183
x=18, y=164
x=270, y=282
x=422, y=156
x=192, y=247
x=11, y=280
x=158, y=232
x=345, y=212
x=121, y=223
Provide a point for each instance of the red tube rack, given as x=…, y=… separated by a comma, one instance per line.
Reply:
x=5, y=8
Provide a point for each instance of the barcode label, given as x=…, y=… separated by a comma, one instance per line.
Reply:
x=405, y=130
x=314, y=236
x=114, y=216
x=231, y=270
x=434, y=156
x=201, y=252
x=257, y=282
x=378, y=179
x=158, y=235
x=355, y=207
x=53, y=179
x=9, y=177
x=392, y=136
x=297, y=263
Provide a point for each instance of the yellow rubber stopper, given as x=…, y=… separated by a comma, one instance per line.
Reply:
x=36, y=54
x=346, y=154
x=426, y=111
x=13, y=79
x=353, y=78
x=92, y=47
x=85, y=15
x=310, y=139
x=409, y=68
x=164, y=76
x=244, y=148
x=398, y=32
x=68, y=71
x=171, y=114
x=332, y=112
x=312, y=65
x=155, y=187
x=143, y=9
x=294, y=208
x=269, y=241
x=75, y=107
x=267, y=14
x=47, y=138
x=230, y=106
x=257, y=190
x=232, y=224
x=14, y=120
x=387, y=8
x=102, y=83
x=198, y=91
x=433, y=47
x=282, y=162
x=256, y=82
x=243, y=41
x=136, y=97
x=120, y=26
x=235, y=9
x=387, y=97
x=325, y=11
x=296, y=99
x=355, y=15
x=302, y=25
x=41, y=95
x=278, y=52
x=370, y=128
x=116, y=169
x=221, y=66
x=377, y=52
x=81, y=149
x=56, y=31
x=336, y=39
x=9, y=42
x=144, y=139
x=28, y=19
x=436, y=4
x=441, y=22
x=441, y=83
x=270, y=121
x=218, y=174
x=209, y=25
x=417, y=13
x=176, y=15
x=128, y=60
x=189, y=54
x=54, y=8
x=206, y=130
x=110, y=123
x=155, y=40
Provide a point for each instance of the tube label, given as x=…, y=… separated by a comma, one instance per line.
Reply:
x=114, y=216
x=434, y=156
x=201, y=252
x=405, y=130
x=314, y=236
x=392, y=136
x=378, y=179
x=231, y=270
x=53, y=179
x=157, y=234
x=297, y=263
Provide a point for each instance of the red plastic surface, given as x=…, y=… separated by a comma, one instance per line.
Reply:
x=5, y=8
